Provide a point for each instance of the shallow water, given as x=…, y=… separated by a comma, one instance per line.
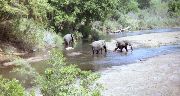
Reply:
x=86, y=61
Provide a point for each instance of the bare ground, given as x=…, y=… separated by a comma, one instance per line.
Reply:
x=158, y=76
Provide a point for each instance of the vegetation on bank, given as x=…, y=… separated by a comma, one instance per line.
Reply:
x=59, y=79
x=11, y=87
x=63, y=80
x=38, y=24
x=26, y=22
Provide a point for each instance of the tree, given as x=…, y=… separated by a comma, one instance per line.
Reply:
x=15, y=9
x=71, y=13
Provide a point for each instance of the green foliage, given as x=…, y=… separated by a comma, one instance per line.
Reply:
x=119, y=19
x=63, y=80
x=13, y=9
x=28, y=33
x=27, y=20
x=174, y=8
x=10, y=9
x=156, y=16
x=125, y=6
x=11, y=87
x=143, y=4
x=70, y=14
x=152, y=16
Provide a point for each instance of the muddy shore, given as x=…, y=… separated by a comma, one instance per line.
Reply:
x=157, y=76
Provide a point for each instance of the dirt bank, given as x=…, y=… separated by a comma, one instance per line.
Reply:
x=158, y=76
x=9, y=55
x=149, y=40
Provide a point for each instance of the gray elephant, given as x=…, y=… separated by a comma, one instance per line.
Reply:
x=68, y=40
x=123, y=44
x=98, y=46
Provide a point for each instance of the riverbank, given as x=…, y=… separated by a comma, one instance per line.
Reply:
x=149, y=40
x=10, y=55
x=157, y=76
x=138, y=41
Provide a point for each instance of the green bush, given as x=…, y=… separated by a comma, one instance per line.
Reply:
x=11, y=87
x=63, y=80
x=29, y=33
x=155, y=16
x=152, y=14
x=174, y=8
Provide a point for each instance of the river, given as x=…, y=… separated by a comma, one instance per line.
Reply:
x=87, y=61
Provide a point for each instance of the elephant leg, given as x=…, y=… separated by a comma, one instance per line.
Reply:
x=93, y=50
x=115, y=48
x=66, y=44
x=72, y=43
x=126, y=48
x=101, y=50
x=121, y=48
x=106, y=48
x=97, y=51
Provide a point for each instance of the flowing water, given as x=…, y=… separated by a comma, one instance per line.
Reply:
x=85, y=60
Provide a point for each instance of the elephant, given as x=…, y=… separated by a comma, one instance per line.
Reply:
x=68, y=40
x=98, y=46
x=123, y=44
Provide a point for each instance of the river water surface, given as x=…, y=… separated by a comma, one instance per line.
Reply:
x=86, y=61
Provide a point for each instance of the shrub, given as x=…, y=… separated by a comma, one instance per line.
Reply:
x=28, y=33
x=11, y=87
x=63, y=80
